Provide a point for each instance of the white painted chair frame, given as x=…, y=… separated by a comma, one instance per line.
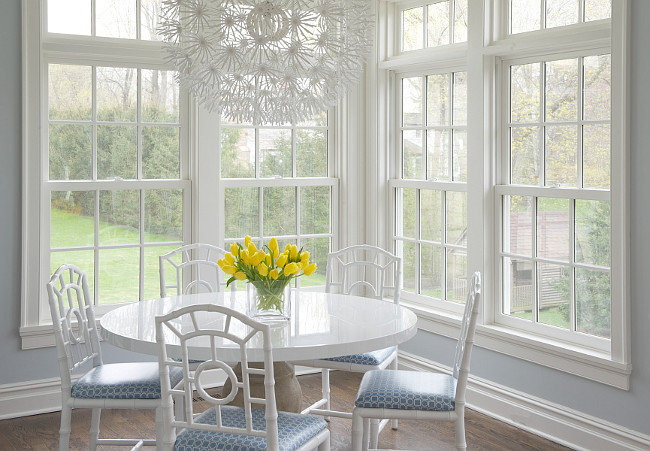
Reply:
x=199, y=259
x=362, y=416
x=67, y=286
x=348, y=272
x=166, y=325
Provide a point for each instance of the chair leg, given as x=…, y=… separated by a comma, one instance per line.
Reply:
x=325, y=387
x=64, y=430
x=366, y=432
x=357, y=431
x=394, y=366
x=166, y=435
x=374, y=433
x=461, y=444
x=94, y=428
x=325, y=446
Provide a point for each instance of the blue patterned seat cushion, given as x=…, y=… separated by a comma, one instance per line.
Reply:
x=138, y=380
x=294, y=430
x=367, y=358
x=407, y=390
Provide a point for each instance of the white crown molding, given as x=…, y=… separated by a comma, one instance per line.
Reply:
x=552, y=421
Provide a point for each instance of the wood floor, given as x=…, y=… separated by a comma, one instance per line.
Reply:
x=40, y=432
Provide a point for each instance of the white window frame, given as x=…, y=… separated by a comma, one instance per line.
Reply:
x=488, y=45
x=39, y=49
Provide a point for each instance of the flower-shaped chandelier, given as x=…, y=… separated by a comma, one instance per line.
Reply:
x=267, y=61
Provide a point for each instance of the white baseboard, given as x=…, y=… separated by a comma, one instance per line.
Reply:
x=540, y=417
x=22, y=399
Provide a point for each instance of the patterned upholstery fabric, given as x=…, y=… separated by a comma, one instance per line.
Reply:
x=367, y=358
x=123, y=381
x=407, y=390
x=294, y=430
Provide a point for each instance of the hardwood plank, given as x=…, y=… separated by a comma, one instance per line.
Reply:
x=40, y=432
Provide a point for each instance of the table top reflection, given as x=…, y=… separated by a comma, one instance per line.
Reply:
x=322, y=325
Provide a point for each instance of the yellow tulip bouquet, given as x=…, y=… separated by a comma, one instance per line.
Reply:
x=267, y=269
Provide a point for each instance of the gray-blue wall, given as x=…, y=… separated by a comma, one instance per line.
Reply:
x=627, y=408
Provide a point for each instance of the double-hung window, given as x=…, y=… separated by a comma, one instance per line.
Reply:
x=507, y=155
x=107, y=172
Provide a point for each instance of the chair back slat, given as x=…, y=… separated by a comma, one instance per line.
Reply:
x=194, y=268
x=217, y=326
x=466, y=338
x=73, y=320
x=364, y=270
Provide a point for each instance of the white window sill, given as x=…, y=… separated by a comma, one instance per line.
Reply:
x=583, y=362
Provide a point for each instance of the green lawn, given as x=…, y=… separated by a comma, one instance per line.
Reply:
x=552, y=317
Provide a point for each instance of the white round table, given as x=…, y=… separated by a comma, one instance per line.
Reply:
x=322, y=325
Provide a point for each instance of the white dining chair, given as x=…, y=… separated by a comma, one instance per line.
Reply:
x=198, y=263
x=257, y=425
x=420, y=395
x=361, y=270
x=113, y=386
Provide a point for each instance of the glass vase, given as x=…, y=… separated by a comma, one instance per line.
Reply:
x=269, y=301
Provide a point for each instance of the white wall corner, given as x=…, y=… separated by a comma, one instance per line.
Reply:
x=552, y=421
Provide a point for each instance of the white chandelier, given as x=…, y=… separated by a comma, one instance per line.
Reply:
x=267, y=61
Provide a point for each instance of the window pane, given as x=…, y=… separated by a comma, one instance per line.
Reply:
x=518, y=287
x=438, y=100
x=593, y=302
x=159, y=96
x=311, y=153
x=598, y=9
x=409, y=279
x=318, y=249
x=518, y=225
x=525, y=15
x=115, y=18
x=562, y=90
x=412, y=101
x=430, y=216
x=596, y=156
x=412, y=160
x=438, y=154
x=163, y=215
x=150, y=11
x=275, y=153
x=241, y=212
x=117, y=154
x=593, y=225
x=117, y=94
x=72, y=222
x=119, y=217
x=459, y=155
x=68, y=16
x=412, y=27
x=553, y=228
x=561, y=152
x=456, y=218
x=597, y=89
x=279, y=211
x=152, y=271
x=408, y=216
x=525, y=155
x=438, y=24
x=561, y=12
x=460, y=21
x=457, y=276
x=431, y=271
x=161, y=153
x=554, y=295
x=237, y=152
x=460, y=98
x=524, y=93
x=70, y=155
x=85, y=260
x=69, y=92
x=119, y=275
x=314, y=210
